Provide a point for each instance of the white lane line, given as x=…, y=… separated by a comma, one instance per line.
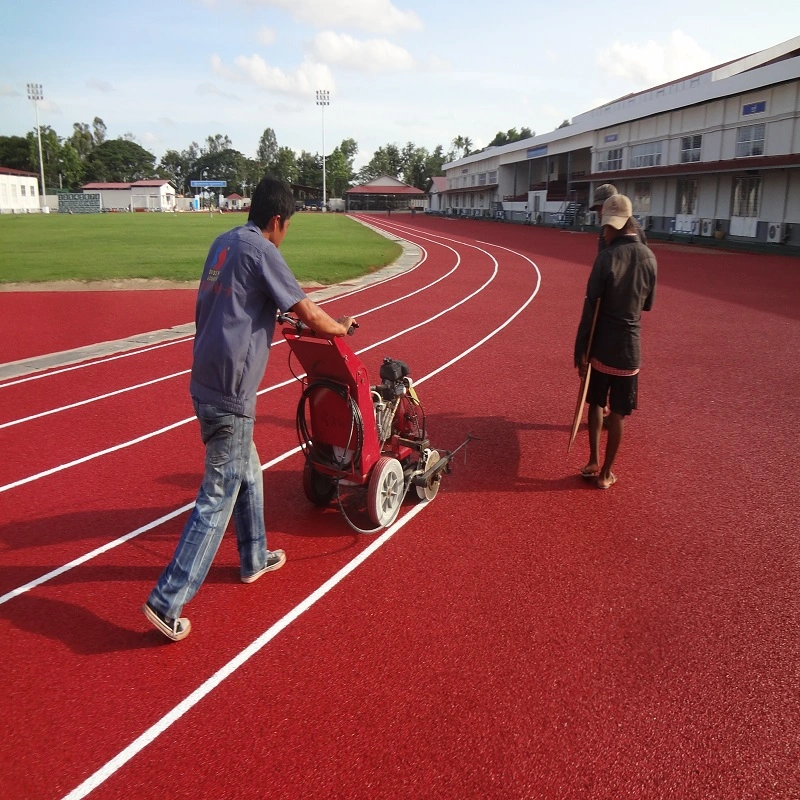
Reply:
x=103, y=360
x=169, y=719
x=151, y=734
x=121, y=540
x=148, y=348
x=82, y=559
x=92, y=399
x=187, y=371
x=144, y=437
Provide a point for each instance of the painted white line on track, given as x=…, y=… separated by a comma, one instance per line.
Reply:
x=102, y=360
x=151, y=734
x=169, y=719
x=97, y=398
x=93, y=399
x=86, y=557
x=148, y=348
x=121, y=540
x=187, y=420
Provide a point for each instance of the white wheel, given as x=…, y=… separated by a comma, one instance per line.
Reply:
x=428, y=492
x=386, y=490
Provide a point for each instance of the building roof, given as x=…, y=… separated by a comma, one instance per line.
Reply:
x=12, y=171
x=438, y=184
x=234, y=196
x=151, y=182
x=385, y=184
x=101, y=185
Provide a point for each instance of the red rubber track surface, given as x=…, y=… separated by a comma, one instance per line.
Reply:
x=523, y=636
x=39, y=323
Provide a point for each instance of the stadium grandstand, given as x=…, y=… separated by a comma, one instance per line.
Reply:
x=713, y=154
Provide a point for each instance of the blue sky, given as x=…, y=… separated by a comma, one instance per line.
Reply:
x=398, y=70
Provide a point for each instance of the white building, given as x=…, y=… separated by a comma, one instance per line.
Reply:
x=19, y=193
x=717, y=151
x=146, y=195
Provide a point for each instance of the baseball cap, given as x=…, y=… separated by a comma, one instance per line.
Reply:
x=601, y=194
x=617, y=210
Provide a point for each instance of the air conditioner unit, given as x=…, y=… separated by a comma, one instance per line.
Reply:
x=774, y=232
x=707, y=227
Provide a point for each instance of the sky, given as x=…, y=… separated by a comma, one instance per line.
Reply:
x=424, y=71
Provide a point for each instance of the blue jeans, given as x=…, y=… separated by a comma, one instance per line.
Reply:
x=232, y=486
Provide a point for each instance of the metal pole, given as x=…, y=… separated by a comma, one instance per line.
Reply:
x=323, y=99
x=35, y=93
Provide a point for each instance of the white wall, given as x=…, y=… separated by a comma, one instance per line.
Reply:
x=19, y=194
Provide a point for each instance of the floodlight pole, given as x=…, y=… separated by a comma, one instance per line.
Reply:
x=323, y=99
x=35, y=93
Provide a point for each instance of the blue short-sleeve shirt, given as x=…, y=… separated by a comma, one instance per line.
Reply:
x=245, y=281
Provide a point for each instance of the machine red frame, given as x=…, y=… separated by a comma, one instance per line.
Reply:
x=329, y=358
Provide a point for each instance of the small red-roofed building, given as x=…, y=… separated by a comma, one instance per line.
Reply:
x=385, y=194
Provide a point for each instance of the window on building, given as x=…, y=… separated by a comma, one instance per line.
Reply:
x=493, y=176
x=750, y=140
x=482, y=179
x=687, y=198
x=646, y=155
x=746, y=196
x=22, y=190
x=612, y=159
x=690, y=148
x=641, y=197
x=33, y=191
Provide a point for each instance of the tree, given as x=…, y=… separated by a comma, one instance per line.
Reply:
x=217, y=143
x=309, y=169
x=99, y=128
x=267, y=150
x=71, y=167
x=81, y=139
x=386, y=160
x=467, y=145
x=15, y=153
x=285, y=166
x=435, y=162
x=120, y=160
x=340, y=167
x=565, y=124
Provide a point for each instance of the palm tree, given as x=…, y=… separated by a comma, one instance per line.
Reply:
x=459, y=143
x=467, y=145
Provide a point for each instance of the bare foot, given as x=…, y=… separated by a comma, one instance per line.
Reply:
x=590, y=471
x=606, y=483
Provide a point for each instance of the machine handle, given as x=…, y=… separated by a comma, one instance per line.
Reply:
x=352, y=329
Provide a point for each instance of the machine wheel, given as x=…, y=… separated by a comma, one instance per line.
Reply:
x=319, y=489
x=386, y=490
x=429, y=491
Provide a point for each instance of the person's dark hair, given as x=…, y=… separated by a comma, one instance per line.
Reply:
x=271, y=198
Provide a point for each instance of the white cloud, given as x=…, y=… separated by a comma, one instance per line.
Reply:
x=150, y=138
x=7, y=90
x=373, y=16
x=652, y=63
x=370, y=55
x=101, y=86
x=266, y=36
x=304, y=80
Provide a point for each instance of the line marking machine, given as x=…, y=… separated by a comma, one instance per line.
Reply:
x=354, y=434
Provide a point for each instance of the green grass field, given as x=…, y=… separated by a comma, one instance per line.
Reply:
x=326, y=248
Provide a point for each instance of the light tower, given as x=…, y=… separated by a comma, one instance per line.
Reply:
x=35, y=93
x=323, y=99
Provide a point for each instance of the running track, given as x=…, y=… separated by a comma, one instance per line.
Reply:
x=523, y=636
